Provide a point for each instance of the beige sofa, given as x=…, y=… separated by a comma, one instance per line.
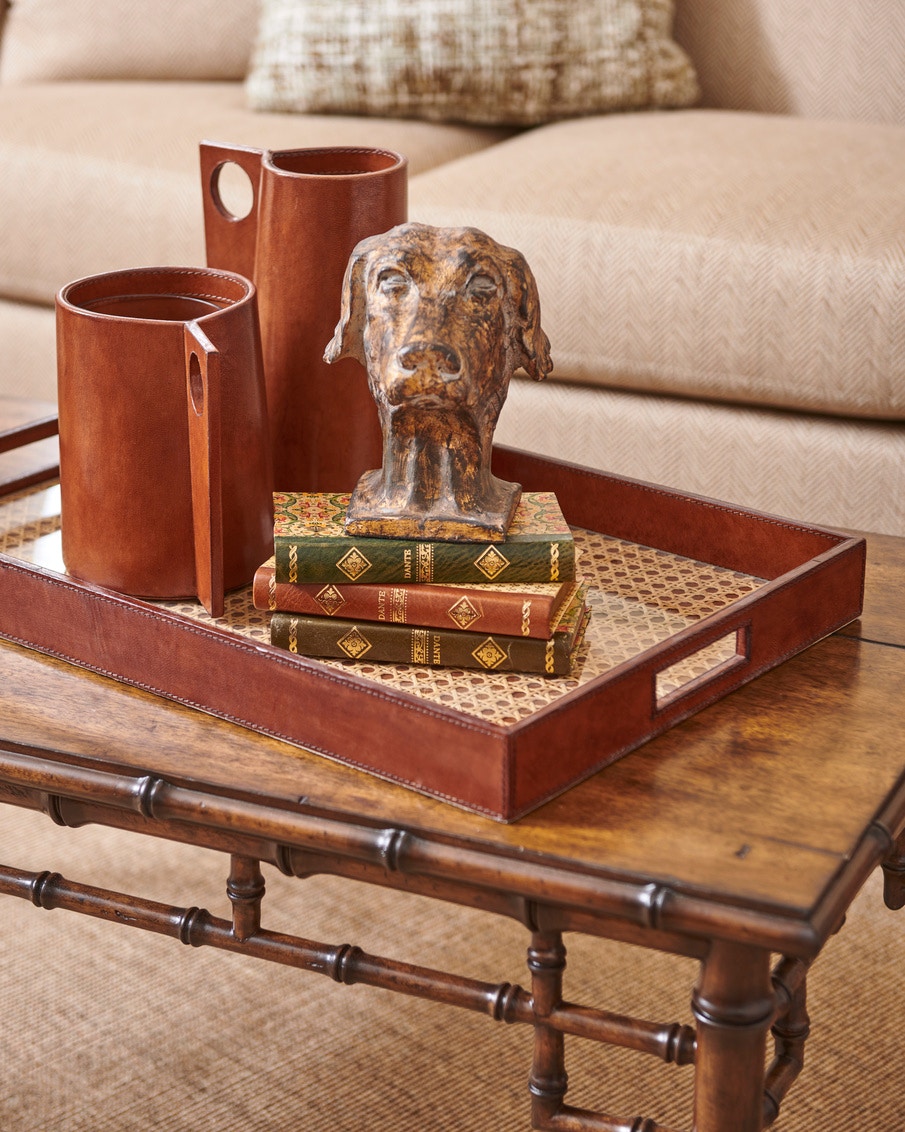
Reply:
x=723, y=285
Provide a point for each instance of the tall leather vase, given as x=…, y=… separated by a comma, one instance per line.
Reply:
x=310, y=209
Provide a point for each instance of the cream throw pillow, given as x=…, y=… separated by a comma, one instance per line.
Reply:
x=492, y=62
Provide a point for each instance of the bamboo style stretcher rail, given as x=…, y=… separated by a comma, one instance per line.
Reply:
x=345, y=963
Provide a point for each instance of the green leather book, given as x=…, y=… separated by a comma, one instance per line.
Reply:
x=311, y=546
x=447, y=648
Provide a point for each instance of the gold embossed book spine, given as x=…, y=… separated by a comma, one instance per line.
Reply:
x=311, y=546
x=525, y=610
x=434, y=648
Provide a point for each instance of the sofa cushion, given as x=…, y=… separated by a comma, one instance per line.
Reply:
x=84, y=190
x=822, y=59
x=719, y=255
x=513, y=62
x=810, y=467
x=119, y=39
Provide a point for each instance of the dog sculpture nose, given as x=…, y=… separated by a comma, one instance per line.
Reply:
x=430, y=356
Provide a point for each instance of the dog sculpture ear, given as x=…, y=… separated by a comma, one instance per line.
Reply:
x=348, y=337
x=533, y=343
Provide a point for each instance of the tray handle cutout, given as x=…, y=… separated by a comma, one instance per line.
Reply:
x=700, y=666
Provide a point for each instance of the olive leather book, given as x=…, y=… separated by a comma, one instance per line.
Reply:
x=436, y=648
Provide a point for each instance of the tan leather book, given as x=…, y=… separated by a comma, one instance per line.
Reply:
x=517, y=610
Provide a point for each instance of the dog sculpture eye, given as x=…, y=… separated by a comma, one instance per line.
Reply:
x=393, y=282
x=481, y=286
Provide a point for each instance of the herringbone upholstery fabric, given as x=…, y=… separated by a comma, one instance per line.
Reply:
x=670, y=261
x=494, y=62
x=114, y=39
x=808, y=467
x=814, y=58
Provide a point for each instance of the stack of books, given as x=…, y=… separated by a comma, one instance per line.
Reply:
x=511, y=606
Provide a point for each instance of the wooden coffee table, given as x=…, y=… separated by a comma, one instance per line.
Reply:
x=744, y=831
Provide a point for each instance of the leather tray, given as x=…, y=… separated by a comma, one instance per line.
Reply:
x=692, y=598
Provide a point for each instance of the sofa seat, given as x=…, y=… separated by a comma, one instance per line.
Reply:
x=82, y=160
x=670, y=261
x=716, y=318
x=75, y=172
x=820, y=469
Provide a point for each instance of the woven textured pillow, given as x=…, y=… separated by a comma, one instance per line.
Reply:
x=492, y=62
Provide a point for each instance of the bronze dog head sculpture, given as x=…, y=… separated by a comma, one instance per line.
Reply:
x=441, y=318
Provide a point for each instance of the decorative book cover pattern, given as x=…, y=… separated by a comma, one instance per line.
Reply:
x=311, y=545
x=439, y=648
x=527, y=609
x=639, y=597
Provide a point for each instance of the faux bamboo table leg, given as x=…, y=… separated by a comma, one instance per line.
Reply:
x=791, y=1028
x=547, y=961
x=734, y=1006
x=245, y=889
x=894, y=875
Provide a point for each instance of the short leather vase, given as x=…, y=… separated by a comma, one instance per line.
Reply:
x=166, y=475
